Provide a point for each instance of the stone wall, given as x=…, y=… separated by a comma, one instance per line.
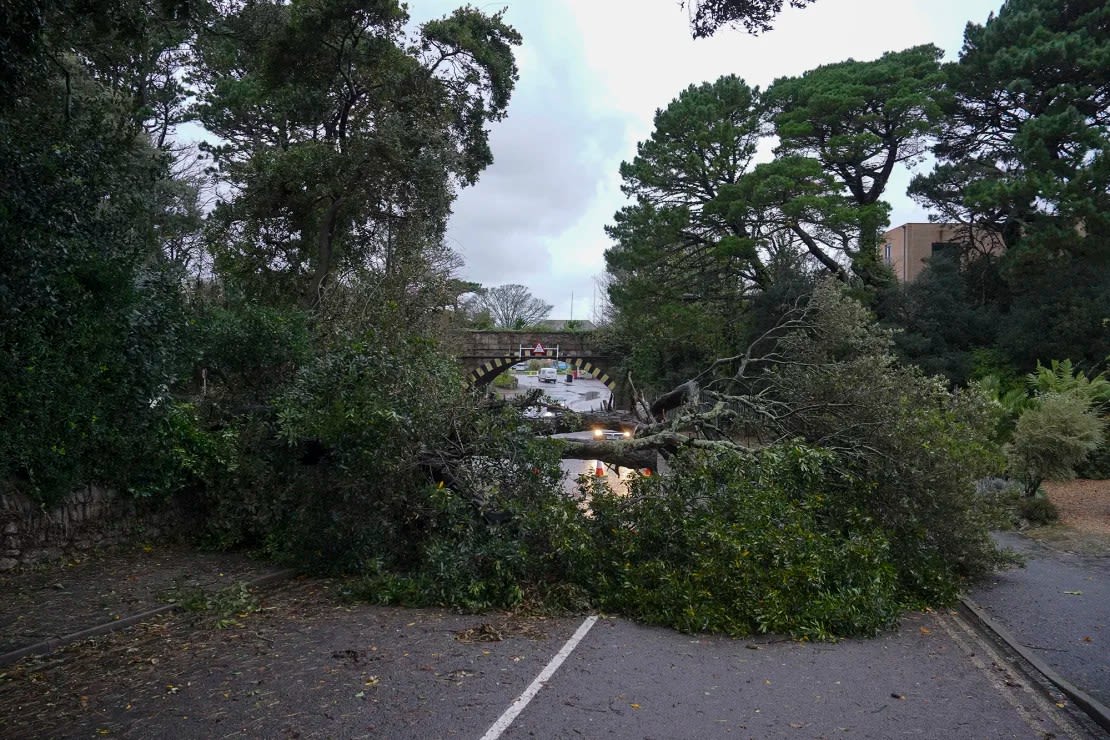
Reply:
x=473, y=346
x=89, y=518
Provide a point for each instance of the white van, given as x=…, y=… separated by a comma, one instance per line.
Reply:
x=549, y=375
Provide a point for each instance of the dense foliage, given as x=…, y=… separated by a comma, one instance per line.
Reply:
x=1022, y=154
x=863, y=505
x=337, y=475
x=1018, y=126
x=742, y=545
x=142, y=343
x=91, y=319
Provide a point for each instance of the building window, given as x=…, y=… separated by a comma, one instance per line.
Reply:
x=887, y=258
x=949, y=251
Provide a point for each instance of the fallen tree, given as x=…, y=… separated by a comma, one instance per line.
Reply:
x=634, y=453
x=816, y=487
x=900, y=449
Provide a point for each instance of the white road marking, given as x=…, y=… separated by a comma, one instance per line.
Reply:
x=538, y=682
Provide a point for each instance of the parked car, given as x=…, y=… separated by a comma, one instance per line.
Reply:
x=602, y=433
x=548, y=375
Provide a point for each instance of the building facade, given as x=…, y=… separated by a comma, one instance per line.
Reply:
x=906, y=248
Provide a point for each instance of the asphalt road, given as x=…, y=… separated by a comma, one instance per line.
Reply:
x=932, y=678
x=583, y=394
x=309, y=665
x=1058, y=606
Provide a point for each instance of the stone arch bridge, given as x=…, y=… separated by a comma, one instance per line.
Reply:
x=486, y=354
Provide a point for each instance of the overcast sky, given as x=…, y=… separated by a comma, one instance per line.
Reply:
x=592, y=75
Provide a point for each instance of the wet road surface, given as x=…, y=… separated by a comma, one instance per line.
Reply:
x=307, y=664
x=1058, y=606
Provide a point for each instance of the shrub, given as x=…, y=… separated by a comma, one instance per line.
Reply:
x=505, y=381
x=377, y=463
x=521, y=553
x=1097, y=464
x=1063, y=377
x=354, y=423
x=1051, y=438
x=1038, y=509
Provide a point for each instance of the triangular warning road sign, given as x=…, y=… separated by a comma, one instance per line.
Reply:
x=538, y=349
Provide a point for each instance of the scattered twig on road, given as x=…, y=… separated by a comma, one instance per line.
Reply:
x=1041, y=647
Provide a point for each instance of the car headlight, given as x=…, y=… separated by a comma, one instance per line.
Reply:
x=599, y=433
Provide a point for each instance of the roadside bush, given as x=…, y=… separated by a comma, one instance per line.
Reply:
x=89, y=318
x=1097, y=464
x=497, y=531
x=1038, y=509
x=1051, y=438
x=519, y=554
x=345, y=441
x=505, y=381
x=252, y=485
x=177, y=456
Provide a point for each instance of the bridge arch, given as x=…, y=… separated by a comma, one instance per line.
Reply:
x=485, y=354
x=490, y=369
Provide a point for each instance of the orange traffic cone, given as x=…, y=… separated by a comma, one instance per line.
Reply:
x=599, y=469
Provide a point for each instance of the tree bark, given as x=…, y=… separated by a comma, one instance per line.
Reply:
x=620, y=453
x=325, y=237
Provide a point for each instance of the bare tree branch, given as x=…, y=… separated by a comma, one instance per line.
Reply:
x=512, y=306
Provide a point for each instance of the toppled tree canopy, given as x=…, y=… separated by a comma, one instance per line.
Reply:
x=902, y=451
x=816, y=488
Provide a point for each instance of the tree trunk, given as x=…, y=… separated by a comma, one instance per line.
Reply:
x=325, y=238
x=625, y=454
